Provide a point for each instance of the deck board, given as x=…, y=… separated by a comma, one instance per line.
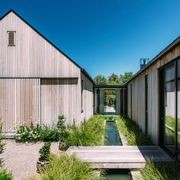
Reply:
x=125, y=157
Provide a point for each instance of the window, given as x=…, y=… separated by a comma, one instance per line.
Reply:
x=82, y=87
x=11, y=38
x=169, y=107
x=146, y=104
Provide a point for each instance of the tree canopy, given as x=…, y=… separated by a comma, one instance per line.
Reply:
x=100, y=80
x=113, y=79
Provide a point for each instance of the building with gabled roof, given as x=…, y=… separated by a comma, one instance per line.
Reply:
x=38, y=81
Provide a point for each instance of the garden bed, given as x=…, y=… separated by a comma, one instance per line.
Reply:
x=152, y=170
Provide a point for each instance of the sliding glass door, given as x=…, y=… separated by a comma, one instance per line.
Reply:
x=170, y=107
x=178, y=106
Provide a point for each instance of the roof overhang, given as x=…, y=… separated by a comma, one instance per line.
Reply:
x=157, y=57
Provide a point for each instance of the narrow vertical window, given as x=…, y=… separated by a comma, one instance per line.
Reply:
x=82, y=95
x=131, y=99
x=146, y=104
x=11, y=38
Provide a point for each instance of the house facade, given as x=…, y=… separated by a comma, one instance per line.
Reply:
x=38, y=81
x=154, y=98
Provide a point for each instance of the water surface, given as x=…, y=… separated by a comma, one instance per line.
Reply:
x=112, y=137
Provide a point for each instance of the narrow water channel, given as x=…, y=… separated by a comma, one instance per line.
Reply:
x=117, y=174
x=112, y=138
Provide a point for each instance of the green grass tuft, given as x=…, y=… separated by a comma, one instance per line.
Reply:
x=4, y=175
x=132, y=132
x=89, y=133
x=68, y=167
x=161, y=171
x=152, y=170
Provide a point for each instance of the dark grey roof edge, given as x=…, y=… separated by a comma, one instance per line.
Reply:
x=82, y=69
x=165, y=50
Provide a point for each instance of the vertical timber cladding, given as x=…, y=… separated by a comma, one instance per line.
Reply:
x=87, y=99
x=59, y=97
x=19, y=102
x=137, y=104
x=138, y=94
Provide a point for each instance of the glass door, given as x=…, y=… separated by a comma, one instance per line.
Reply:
x=169, y=131
x=178, y=108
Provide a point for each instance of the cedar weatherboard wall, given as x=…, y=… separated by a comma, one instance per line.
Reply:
x=137, y=112
x=87, y=107
x=32, y=55
x=28, y=71
x=19, y=102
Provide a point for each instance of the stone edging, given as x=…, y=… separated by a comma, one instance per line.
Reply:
x=136, y=175
x=123, y=139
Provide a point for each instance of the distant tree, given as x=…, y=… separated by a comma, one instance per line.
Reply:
x=100, y=80
x=125, y=77
x=113, y=79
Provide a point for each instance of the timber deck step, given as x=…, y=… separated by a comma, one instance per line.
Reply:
x=124, y=157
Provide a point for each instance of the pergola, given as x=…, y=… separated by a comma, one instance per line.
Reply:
x=121, y=99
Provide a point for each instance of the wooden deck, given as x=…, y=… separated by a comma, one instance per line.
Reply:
x=119, y=157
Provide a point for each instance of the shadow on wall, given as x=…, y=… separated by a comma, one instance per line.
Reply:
x=132, y=132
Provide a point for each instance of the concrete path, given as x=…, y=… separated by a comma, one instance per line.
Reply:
x=109, y=109
x=154, y=153
x=124, y=157
x=20, y=159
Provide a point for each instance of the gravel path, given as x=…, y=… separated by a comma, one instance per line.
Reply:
x=20, y=159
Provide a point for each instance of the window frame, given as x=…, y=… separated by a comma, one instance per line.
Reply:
x=174, y=62
x=10, y=33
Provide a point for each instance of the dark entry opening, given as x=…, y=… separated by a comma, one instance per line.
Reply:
x=110, y=99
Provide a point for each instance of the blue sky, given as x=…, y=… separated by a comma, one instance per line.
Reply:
x=103, y=36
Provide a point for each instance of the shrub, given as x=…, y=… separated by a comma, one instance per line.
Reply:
x=34, y=133
x=49, y=134
x=45, y=151
x=89, y=133
x=62, y=146
x=62, y=128
x=2, y=141
x=4, y=175
x=67, y=167
x=28, y=133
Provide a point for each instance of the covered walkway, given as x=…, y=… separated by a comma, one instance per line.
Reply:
x=116, y=93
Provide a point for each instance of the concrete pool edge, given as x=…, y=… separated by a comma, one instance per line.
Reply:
x=135, y=174
x=123, y=138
